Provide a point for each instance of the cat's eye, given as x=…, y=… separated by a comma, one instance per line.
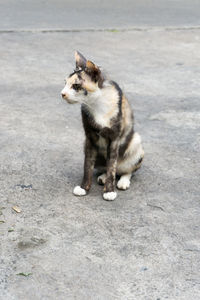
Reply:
x=76, y=87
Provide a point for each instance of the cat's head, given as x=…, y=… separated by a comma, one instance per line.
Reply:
x=85, y=80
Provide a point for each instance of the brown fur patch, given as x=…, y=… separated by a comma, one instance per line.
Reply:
x=90, y=65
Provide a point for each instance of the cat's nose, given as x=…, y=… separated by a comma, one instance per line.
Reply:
x=64, y=94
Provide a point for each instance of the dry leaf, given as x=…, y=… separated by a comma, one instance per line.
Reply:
x=16, y=208
x=24, y=274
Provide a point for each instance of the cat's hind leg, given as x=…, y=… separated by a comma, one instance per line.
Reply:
x=101, y=179
x=124, y=182
x=130, y=162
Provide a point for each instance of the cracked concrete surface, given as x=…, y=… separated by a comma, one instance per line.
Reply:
x=146, y=244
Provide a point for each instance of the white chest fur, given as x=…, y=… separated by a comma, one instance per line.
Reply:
x=101, y=119
x=103, y=105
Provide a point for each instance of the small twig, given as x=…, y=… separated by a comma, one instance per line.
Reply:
x=155, y=206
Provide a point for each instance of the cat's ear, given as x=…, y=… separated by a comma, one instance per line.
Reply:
x=80, y=60
x=91, y=66
x=93, y=70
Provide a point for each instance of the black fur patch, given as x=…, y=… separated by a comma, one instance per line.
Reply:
x=123, y=147
x=90, y=157
x=140, y=160
x=100, y=161
x=95, y=76
x=85, y=92
x=77, y=71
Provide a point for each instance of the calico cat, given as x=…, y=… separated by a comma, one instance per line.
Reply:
x=111, y=145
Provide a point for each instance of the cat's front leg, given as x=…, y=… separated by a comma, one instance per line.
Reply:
x=109, y=187
x=90, y=157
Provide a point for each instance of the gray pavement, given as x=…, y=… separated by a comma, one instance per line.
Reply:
x=146, y=244
x=77, y=14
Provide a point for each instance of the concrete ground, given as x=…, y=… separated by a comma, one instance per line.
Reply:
x=146, y=244
x=88, y=14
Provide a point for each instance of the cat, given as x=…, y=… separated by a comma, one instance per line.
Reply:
x=111, y=145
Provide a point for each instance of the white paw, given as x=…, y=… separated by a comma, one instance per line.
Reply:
x=78, y=191
x=123, y=183
x=110, y=196
x=101, y=179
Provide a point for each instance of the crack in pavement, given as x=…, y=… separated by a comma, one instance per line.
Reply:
x=114, y=30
